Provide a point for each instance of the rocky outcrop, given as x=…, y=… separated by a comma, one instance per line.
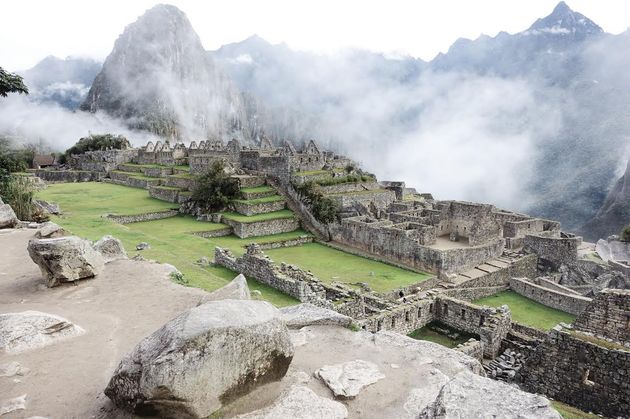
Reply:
x=8, y=218
x=65, y=259
x=236, y=289
x=307, y=314
x=614, y=213
x=47, y=207
x=49, y=230
x=348, y=379
x=468, y=396
x=300, y=402
x=110, y=248
x=203, y=358
x=29, y=330
x=613, y=249
x=159, y=76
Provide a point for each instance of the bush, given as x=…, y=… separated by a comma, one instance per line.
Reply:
x=215, y=189
x=323, y=208
x=178, y=277
x=96, y=142
x=353, y=178
x=624, y=236
x=18, y=192
x=15, y=160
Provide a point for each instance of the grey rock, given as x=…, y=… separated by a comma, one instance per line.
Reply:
x=49, y=230
x=348, y=379
x=29, y=330
x=110, y=248
x=307, y=314
x=419, y=398
x=48, y=207
x=33, y=225
x=300, y=402
x=143, y=246
x=11, y=405
x=12, y=368
x=231, y=346
x=8, y=219
x=65, y=259
x=467, y=395
x=236, y=289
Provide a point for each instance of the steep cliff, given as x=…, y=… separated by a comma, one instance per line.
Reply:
x=614, y=214
x=159, y=78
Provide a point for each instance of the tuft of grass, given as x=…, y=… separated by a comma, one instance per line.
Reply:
x=570, y=412
x=526, y=311
x=258, y=189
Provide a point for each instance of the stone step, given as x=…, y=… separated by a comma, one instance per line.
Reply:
x=261, y=225
x=249, y=181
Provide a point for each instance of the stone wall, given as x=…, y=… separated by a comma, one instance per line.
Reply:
x=258, y=208
x=179, y=182
x=472, y=294
x=288, y=279
x=404, y=318
x=570, y=303
x=128, y=219
x=573, y=368
x=608, y=316
x=555, y=250
x=349, y=187
x=67, y=176
x=491, y=324
x=262, y=228
x=472, y=348
x=380, y=198
x=214, y=233
x=286, y=243
x=523, y=267
x=102, y=161
x=383, y=240
x=164, y=193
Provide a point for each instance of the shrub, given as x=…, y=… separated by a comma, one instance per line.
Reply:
x=353, y=178
x=15, y=160
x=178, y=277
x=624, y=236
x=323, y=208
x=215, y=189
x=95, y=142
x=18, y=192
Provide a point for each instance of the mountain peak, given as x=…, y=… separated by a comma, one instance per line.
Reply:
x=564, y=21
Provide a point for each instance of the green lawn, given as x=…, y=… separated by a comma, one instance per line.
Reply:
x=259, y=217
x=84, y=204
x=335, y=265
x=426, y=333
x=526, y=311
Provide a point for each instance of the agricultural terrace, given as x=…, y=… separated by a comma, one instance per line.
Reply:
x=85, y=204
x=526, y=311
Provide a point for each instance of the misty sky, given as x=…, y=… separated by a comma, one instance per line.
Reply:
x=31, y=29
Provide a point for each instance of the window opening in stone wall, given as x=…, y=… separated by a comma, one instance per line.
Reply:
x=407, y=316
x=482, y=320
x=419, y=312
x=446, y=309
x=463, y=313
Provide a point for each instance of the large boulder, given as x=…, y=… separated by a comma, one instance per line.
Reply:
x=29, y=330
x=307, y=314
x=236, y=289
x=110, y=248
x=203, y=358
x=469, y=395
x=8, y=219
x=300, y=402
x=49, y=230
x=65, y=259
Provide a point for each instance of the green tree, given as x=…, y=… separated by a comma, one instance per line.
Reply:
x=11, y=83
x=625, y=234
x=215, y=189
x=95, y=142
x=323, y=208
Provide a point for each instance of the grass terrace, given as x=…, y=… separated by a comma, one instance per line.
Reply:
x=256, y=201
x=83, y=205
x=427, y=333
x=526, y=311
x=258, y=189
x=276, y=215
x=330, y=265
x=570, y=412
